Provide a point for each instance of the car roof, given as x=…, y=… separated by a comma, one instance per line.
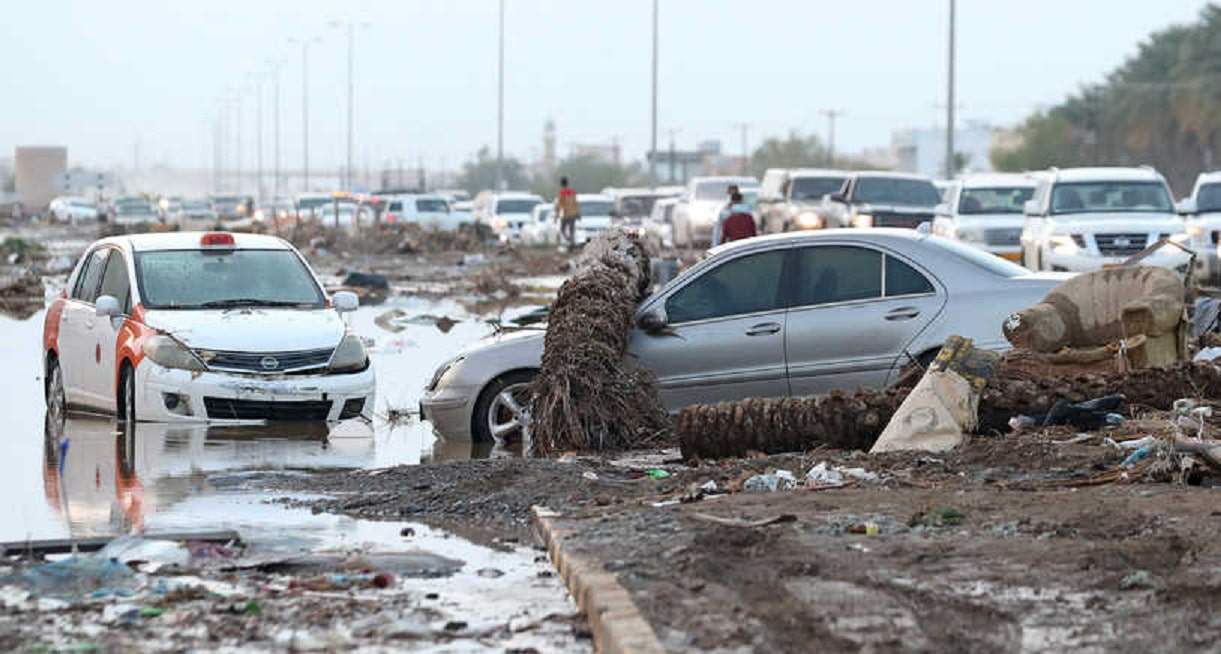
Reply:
x=1210, y=177
x=726, y=178
x=874, y=235
x=190, y=241
x=818, y=172
x=1107, y=174
x=516, y=195
x=594, y=197
x=887, y=173
x=992, y=180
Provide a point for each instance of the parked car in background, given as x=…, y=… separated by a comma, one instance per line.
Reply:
x=454, y=194
x=345, y=215
x=168, y=205
x=1083, y=219
x=134, y=210
x=790, y=198
x=881, y=199
x=633, y=205
x=986, y=211
x=72, y=209
x=308, y=203
x=542, y=229
x=943, y=187
x=1202, y=210
x=191, y=327
x=506, y=213
x=195, y=214
x=702, y=203
x=233, y=207
x=660, y=224
x=788, y=314
x=596, y=210
x=428, y=210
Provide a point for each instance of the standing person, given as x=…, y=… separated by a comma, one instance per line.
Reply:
x=740, y=223
x=567, y=211
x=735, y=205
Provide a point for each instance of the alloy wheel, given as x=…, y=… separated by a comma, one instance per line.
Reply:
x=509, y=413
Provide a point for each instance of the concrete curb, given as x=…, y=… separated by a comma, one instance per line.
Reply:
x=616, y=623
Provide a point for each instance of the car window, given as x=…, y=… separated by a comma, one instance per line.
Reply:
x=1208, y=198
x=395, y=206
x=896, y=190
x=813, y=188
x=433, y=205
x=203, y=279
x=744, y=285
x=1110, y=197
x=87, y=283
x=838, y=273
x=902, y=279
x=115, y=281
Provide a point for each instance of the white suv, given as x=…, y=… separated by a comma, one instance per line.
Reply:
x=1083, y=219
x=985, y=211
x=1202, y=209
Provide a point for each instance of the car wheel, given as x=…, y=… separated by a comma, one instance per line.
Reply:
x=503, y=410
x=57, y=402
x=127, y=396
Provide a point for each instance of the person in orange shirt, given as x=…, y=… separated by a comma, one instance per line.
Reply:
x=567, y=211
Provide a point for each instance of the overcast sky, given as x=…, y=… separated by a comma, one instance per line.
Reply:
x=100, y=76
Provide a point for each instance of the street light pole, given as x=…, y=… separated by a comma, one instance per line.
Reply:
x=237, y=155
x=500, y=103
x=304, y=108
x=831, y=115
x=949, y=104
x=258, y=136
x=745, y=150
x=275, y=129
x=653, y=139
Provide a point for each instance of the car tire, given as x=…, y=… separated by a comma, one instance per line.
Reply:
x=502, y=411
x=56, y=398
x=127, y=395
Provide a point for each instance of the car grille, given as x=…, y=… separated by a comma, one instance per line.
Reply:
x=266, y=362
x=1012, y=236
x=908, y=220
x=228, y=409
x=1120, y=244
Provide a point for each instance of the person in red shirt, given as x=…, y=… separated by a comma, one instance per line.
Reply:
x=567, y=211
x=740, y=223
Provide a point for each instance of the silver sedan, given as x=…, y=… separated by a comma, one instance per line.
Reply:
x=790, y=314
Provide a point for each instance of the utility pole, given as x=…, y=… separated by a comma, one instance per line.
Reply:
x=275, y=129
x=500, y=104
x=653, y=138
x=237, y=155
x=349, y=179
x=258, y=136
x=305, y=106
x=949, y=103
x=831, y=115
x=745, y=150
x=673, y=155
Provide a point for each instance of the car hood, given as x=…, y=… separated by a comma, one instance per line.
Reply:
x=991, y=220
x=251, y=329
x=1131, y=223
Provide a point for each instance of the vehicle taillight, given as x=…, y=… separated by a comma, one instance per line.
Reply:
x=217, y=239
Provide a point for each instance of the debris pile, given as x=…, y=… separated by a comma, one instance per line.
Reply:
x=586, y=396
x=22, y=295
x=387, y=238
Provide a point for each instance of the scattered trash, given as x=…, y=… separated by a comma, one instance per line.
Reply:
x=1208, y=354
x=78, y=577
x=1137, y=456
x=590, y=475
x=865, y=528
x=1090, y=415
x=1139, y=580
x=1022, y=423
x=147, y=554
x=366, y=280
x=947, y=516
x=657, y=473
x=822, y=475
x=771, y=482
x=489, y=573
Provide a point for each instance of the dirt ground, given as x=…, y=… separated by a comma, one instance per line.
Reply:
x=993, y=547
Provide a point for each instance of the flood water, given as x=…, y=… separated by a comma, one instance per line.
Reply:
x=91, y=479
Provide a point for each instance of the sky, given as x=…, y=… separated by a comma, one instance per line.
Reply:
x=119, y=79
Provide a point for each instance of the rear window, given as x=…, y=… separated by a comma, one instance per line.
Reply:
x=204, y=279
x=813, y=188
x=432, y=205
x=595, y=208
x=898, y=191
x=516, y=206
x=395, y=206
x=1209, y=198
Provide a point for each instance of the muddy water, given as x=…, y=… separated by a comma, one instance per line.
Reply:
x=90, y=478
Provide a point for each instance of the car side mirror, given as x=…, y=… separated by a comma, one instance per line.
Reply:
x=1031, y=208
x=652, y=321
x=1186, y=206
x=107, y=306
x=345, y=301
x=942, y=209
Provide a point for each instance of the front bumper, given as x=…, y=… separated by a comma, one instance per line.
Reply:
x=449, y=409
x=1168, y=257
x=218, y=397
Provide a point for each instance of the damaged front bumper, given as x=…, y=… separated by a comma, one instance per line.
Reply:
x=172, y=395
x=449, y=409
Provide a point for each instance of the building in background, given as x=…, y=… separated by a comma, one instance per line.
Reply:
x=676, y=166
x=922, y=150
x=39, y=174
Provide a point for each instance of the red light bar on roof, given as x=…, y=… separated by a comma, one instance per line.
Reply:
x=217, y=239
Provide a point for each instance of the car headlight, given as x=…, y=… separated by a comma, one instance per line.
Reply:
x=809, y=220
x=440, y=373
x=350, y=356
x=1195, y=231
x=1063, y=244
x=167, y=352
x=500, y=223
x=862, y=220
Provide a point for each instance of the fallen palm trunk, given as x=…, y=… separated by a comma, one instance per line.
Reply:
x=586, y=397
x=856, y=420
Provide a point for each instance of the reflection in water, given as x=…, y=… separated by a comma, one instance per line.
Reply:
x=104, y=478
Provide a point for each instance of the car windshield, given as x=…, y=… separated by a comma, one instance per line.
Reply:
x=516, y=206
x=202, y=279
x=81, y=204
x=896, y=190
x=714, y=190
x=994, y=200
x=813, y=188
x=979, y=257
x=310, y=203
x=1209, y=198
x=134, y=207
x=1110, y=197
x=595, y=208
x=636, y=205
x=435, y=205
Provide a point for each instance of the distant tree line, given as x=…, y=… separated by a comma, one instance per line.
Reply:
x=1162, y=107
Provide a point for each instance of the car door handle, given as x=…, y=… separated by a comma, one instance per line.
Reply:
x=902, y=313
x=764, y=329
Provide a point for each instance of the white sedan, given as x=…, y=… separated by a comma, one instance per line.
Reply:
x=193, y=327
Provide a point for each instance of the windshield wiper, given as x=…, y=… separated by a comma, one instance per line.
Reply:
x=250, y=302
